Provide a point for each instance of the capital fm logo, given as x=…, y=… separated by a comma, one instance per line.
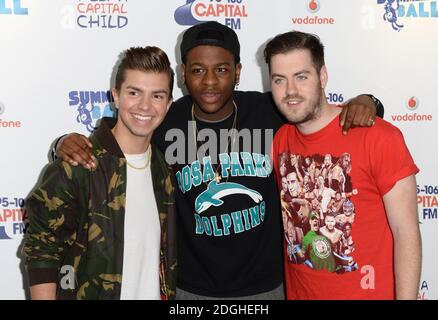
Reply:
x=412, y=104
x=11, y=218
x=313, y=7
x=228, y=12
x=13, y=7
x=108, y=14
x=91, y=106
x=397, y=10
x=427, y=200
x=5, y=122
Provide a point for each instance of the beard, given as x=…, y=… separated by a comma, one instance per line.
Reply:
x=311, y=110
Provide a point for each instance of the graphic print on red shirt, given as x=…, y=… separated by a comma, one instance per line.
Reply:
x=338, y=243
x=317, y=201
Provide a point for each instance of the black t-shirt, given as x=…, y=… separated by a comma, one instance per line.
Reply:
x=229, y=231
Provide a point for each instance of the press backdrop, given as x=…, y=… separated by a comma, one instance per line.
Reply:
x=57, y=60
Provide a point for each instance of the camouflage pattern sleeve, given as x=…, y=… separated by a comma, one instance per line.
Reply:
x=164, y=190
x=51, y=211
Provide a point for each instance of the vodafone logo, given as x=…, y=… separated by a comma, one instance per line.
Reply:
x=6, y=123
x=313, y=6
x=413, y=103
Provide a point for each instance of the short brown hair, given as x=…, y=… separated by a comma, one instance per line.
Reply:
x=295, y=40
x=148, y=59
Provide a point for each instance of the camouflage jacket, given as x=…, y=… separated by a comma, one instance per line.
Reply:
x=75, y=224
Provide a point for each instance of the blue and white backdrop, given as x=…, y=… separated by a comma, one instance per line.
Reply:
x=57, y=59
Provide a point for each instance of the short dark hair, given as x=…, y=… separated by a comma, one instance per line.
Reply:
x=295, y=40
x=148, y=59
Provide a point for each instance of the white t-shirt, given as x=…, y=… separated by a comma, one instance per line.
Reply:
x=141, y=258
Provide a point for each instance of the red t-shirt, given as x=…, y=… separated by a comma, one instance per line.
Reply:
x=337, y=240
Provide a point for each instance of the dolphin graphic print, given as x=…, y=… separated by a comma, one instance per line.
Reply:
x=216, y=191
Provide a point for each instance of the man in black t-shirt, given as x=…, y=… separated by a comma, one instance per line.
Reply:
x=228, y=224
